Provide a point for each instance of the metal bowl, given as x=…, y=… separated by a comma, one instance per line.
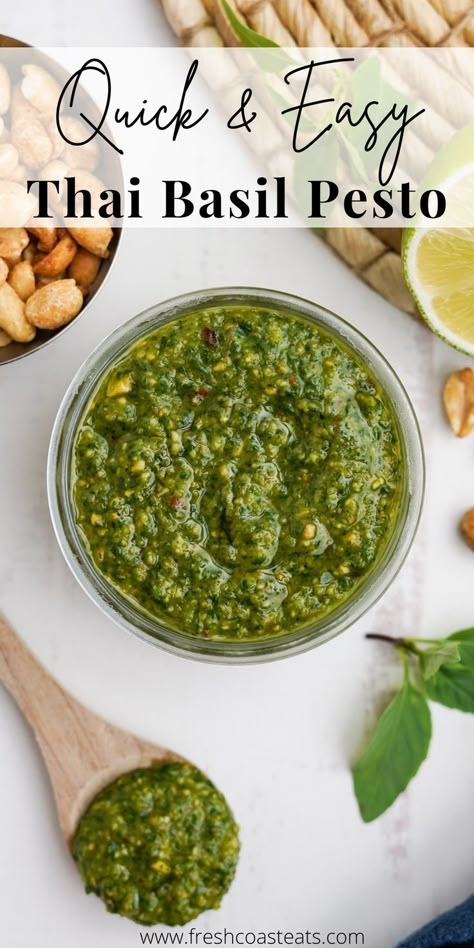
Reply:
x=17, y=350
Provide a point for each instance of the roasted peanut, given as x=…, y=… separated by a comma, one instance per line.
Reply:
x=15, y=203
x=95, y=239
x=458, y=397
x=38, y=256
x=86, y=156
x=57, y=143
x=12, y=240
x=19, y=174
x=12, y=260
x=467, y=527
x=22, y=279
x=46, y=236
x=54, y=305
x=4, y=90
x=29, y=136
x=56, y=170
x=84, y=268
x=8, y=161
x=89, y=182
x=58, y=259
x=43, y=281
x=3, y=272
x=29, y=253
x=12, y=316
x=40, y=90
x=5, y=339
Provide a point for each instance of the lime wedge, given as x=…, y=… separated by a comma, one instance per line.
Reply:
x=438, y=262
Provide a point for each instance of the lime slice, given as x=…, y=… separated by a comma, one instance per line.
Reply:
x=439, y=270
x=438, y=262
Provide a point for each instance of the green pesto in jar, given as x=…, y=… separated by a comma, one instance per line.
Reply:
x=159, y=845
x=238, y=473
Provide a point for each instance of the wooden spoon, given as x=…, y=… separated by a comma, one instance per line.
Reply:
x=82, y=752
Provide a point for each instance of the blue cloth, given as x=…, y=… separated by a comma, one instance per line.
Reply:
x=454, y=929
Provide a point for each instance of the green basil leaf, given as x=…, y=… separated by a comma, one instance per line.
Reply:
x=249, y=38
x=453, y=686
x=399, y=746
x=432, y=657
x=465, y=642
x=353, y=155
x=246, y=36
x=365, y=83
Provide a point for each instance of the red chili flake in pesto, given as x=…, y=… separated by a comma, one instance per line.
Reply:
x=177, y=503
x=209, y=336
x=201, y=393
x=205, y=634
x=292, y=380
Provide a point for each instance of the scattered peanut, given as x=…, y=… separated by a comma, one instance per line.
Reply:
x=5, y=339
x=12, y=316
x=467, y=527
x=458, y=399
x=54, y=305
x=22, y=279
x=3, y=272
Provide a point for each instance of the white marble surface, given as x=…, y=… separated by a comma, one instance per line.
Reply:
x=278, y=738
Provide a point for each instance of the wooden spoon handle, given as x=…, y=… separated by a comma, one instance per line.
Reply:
x=73, y=740
x=27, y=681
x=82, y=751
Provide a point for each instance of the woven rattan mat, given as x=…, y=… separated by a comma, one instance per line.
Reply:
x=374, y=255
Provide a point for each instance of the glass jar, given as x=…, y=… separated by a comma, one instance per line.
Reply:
x=122, y=610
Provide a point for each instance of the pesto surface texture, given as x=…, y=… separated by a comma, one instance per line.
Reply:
x=159, y=845
x=237, y=473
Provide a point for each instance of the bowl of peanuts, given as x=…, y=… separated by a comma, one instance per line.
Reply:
x=49, y=274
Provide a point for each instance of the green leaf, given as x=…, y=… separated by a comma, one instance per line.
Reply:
x=432, y=657
x=399, y=746
x=465, y=641
x=453, y=686
x=353, y=154
x=365, y=82
x=246, y=36
x=275, y=61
